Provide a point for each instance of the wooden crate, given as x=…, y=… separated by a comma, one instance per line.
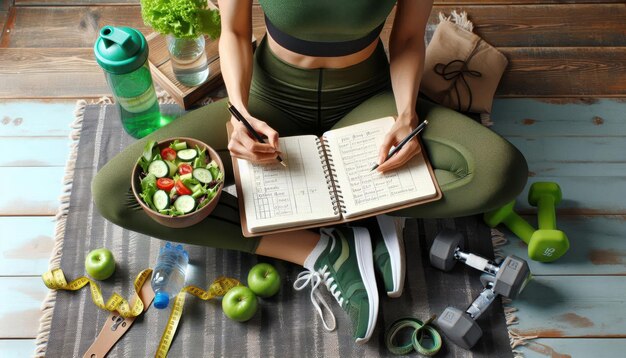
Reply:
x=159, y=61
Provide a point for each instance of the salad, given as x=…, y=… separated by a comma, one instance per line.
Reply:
x=177, y=180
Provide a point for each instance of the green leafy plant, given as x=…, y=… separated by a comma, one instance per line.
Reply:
x=181, y=18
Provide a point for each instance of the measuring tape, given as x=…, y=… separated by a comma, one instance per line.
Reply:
x=218, y=288
x=55, y=280
x=420, y=331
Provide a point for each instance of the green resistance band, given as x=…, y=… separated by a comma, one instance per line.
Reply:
x=422, y=331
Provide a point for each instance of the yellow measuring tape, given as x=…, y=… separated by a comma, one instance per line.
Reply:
x=219, y=287
x=55, y=280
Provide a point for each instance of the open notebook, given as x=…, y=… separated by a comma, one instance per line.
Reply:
x=328, y=181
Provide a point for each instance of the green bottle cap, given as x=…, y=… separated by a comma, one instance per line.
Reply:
x=120, y=50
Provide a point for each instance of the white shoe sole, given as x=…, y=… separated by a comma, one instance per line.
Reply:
x=365, y=260
x=393, y=236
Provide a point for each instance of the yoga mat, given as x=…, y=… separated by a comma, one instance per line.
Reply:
x=285, y=326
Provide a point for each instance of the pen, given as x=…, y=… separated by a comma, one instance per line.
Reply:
x=251, y=130
x=413, y=133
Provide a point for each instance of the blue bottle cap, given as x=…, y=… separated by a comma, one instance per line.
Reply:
x=161, y=300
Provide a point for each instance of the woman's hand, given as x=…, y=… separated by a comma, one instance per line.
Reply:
x=401, y=128
x=245, y=146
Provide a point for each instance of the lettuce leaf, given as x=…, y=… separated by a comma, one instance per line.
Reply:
x=150, y=151
x=181, y=18
x=148, y=188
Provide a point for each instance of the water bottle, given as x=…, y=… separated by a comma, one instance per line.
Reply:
x=122, y=52
x=168, y=277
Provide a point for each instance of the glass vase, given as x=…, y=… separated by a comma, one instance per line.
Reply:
x=189, y=60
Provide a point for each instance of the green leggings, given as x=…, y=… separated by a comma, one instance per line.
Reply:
x=477, y=169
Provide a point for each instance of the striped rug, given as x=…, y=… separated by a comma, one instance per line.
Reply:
x=285, y=326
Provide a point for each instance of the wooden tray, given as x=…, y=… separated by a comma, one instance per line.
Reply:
x=159, y=61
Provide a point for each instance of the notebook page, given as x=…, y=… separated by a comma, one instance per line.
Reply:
x=277, y=197
x=354, y=151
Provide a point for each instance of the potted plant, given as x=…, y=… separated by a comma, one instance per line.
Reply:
x=184, y=23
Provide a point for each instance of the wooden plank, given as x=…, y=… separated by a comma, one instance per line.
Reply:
x=572, y=169
x=597, y=247
x=36, y=118
x=574, y=347
x=564, y=72
x=50, y=73
x=34, y=151
x=68, y=26
x=548, y=25
x=27, y=245
x=559, y=117
x=572, y=149
x=22, y=297
x=549, y=72
x=500, y=25
x=33, y=191
x=17, y=348
x=572, y=306
x=5, y=4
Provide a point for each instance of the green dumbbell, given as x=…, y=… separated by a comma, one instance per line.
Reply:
x=542, y=245
x=545, y=196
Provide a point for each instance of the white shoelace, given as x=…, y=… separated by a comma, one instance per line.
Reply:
x=314, y=279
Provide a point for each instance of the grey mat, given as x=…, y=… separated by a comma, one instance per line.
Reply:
x=285, y=326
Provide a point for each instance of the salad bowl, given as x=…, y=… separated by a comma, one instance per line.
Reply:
x=178, y=181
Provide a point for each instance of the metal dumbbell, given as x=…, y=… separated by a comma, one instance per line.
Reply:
x=461, y=327
x=510, y=277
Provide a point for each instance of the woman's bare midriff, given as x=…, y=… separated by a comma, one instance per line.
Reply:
x=305, y=61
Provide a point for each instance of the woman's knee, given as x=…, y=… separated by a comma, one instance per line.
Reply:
x=105, y=191
x=505, y=172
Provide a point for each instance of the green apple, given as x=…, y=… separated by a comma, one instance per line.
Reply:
x=100, y=264
x=239, y=303
x=264, y=280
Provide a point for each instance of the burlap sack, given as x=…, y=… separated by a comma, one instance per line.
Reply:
x=461, y=70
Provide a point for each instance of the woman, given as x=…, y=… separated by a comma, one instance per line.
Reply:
x=322, y=66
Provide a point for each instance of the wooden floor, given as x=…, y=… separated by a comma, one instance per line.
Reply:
x=562, y=101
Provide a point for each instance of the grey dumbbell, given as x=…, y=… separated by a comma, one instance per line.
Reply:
x=461, y=327
x=511, y=276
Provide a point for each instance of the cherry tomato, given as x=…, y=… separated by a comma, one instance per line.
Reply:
x=165, y=184
x=168, y=153
x=185, y=169
x=182, y=189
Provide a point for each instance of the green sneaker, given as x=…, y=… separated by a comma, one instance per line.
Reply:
x=389, y=262
x=343, y=261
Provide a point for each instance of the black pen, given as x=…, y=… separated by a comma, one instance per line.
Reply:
x=251, y=130
x=413, y=133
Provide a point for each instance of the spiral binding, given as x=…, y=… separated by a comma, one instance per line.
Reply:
x=328, y=166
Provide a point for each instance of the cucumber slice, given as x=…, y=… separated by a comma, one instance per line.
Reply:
x=185, y=176
x=202, y=175
x=158, y=168
x=187, y=154
x=172, y=166
x=161, y=200
x=185, y=204
x=179, y=145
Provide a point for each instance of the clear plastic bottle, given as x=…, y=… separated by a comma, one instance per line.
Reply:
x=168, y=277
x=122, y=52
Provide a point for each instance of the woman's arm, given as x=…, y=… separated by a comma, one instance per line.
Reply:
x=406, y=58
x=236, y=65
